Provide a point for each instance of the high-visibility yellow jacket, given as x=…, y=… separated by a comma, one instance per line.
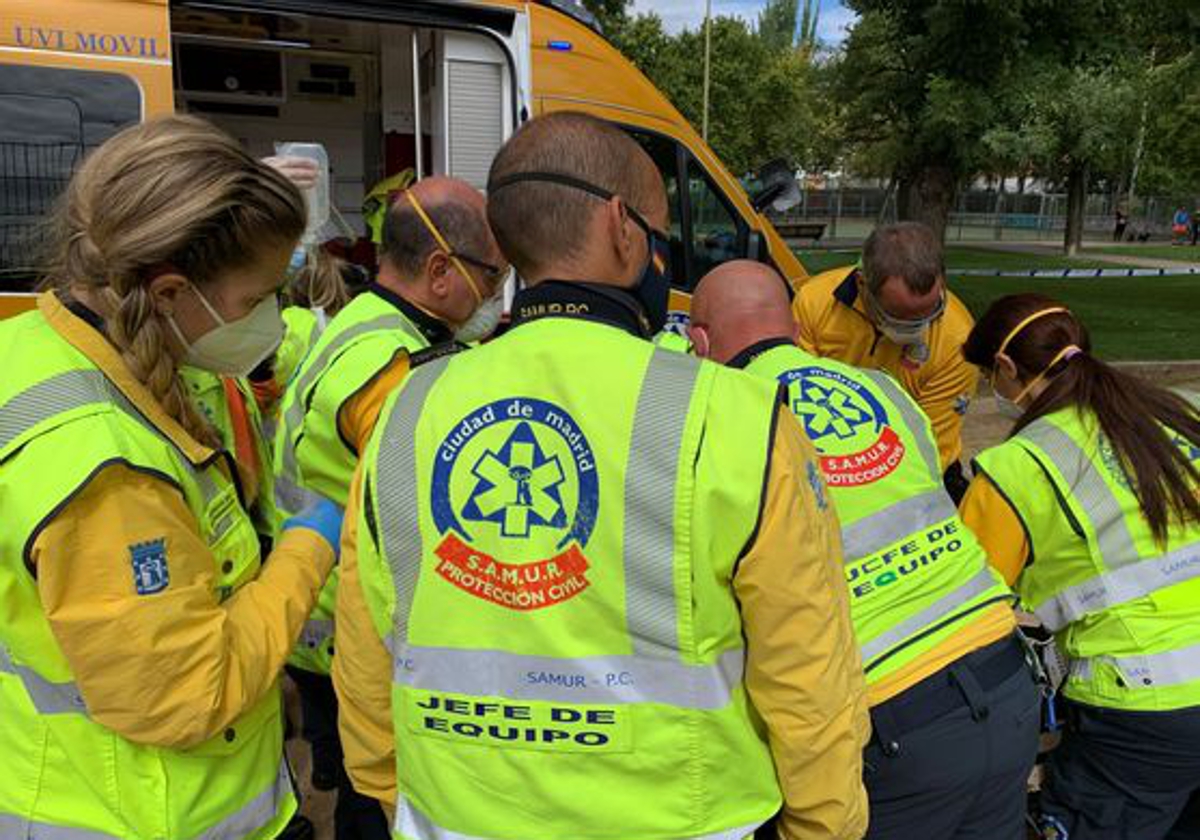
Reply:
x=141, y=642
x=787, y=583
x=1124, y=609
x=834, y=324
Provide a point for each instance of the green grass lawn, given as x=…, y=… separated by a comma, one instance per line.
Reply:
x=962, y=257
x=1129, y=318
x=1182, y=253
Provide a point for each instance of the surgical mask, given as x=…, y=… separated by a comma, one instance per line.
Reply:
x=483, y=320
x=297, y=261
x=1006, y=407
x=653, y=288
x=898, y=330
x=234, y=348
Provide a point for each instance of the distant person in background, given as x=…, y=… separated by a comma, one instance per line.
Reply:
x=895, y=314
x=1195, y=226
x=1122, y=222
x=1180, y=225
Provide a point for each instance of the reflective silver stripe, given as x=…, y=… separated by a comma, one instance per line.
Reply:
x=315, y=632
x=49, y=698
x=396, y=490
x=49, y=398
x=249, y=818
x=1172, y=667
x=1087, y=486
x=288, y=492
x=256, y=813
x=290, y=497
x=650, y=476
x=939, y=609
x=914, y=419
x=1130, y=575
x=589, y=679
x=876, y=532
x=79, y=388
x=412, y=824
x=1121, y=586
x=13, y=827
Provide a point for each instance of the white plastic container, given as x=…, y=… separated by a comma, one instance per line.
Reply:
x=316, y=198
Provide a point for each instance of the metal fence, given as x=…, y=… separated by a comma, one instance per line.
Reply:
x=851, y=213
x=32, y=176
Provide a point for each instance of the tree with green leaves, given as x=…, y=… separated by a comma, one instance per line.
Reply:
x=777, y=24
x=612, y=15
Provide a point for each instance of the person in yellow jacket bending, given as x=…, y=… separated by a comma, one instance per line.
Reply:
x=142, y=634
x=947, y=679
x=1091, y=507
x=588, y=587
x=441, y=277
x=896, y=314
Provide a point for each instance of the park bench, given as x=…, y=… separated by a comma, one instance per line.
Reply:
x=801, y=230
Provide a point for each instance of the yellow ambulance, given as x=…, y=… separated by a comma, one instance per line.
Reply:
x=384, y=86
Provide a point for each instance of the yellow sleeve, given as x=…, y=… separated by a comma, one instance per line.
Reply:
x=997, y=527
x=173, y=668
x=943, y=396
x=362, y=675
x=803, y=671
x=803, y=311
x=358, y=415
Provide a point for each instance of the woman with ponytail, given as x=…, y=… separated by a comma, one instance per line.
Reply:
x=141, y=632
x=1090, y=509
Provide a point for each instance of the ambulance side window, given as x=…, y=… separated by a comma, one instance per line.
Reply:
x=664, y=152
x=50, y=118
x=718, y=233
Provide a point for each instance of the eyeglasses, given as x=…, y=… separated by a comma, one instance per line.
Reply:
x=885, y=318
x=494, y=275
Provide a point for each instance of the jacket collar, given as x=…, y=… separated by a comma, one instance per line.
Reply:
x=596, y=302
x=743, y=359
x=90, y=341
x=434, y=330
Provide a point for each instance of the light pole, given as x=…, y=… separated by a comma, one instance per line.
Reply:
x=707, y=62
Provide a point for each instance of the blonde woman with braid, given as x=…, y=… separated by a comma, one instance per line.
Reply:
x=141, y=633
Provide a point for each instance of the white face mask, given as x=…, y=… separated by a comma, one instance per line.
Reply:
x=483, y=320
x=234, y=348
x=1007, y=408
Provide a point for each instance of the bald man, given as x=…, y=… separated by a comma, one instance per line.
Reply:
x=440, y=279
x=953, y=704
x=598, y=587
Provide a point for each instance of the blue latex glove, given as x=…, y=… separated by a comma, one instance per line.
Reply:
x=322, y=516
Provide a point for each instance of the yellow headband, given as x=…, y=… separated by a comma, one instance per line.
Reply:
x=443, y=244
x=1025, y=323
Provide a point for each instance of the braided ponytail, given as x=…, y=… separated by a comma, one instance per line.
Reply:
x=174, y=192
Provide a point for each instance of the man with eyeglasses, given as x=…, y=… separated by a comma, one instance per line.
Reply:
x=894, y=313
x=440, y=284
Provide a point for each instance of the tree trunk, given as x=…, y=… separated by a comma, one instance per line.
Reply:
x=1077, y=182
x=926, y=195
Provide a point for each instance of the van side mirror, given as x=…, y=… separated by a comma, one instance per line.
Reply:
x=779, y=189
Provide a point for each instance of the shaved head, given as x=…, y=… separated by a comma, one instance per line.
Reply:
x=457, y=209
x=737, y=304
x=546, y=228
